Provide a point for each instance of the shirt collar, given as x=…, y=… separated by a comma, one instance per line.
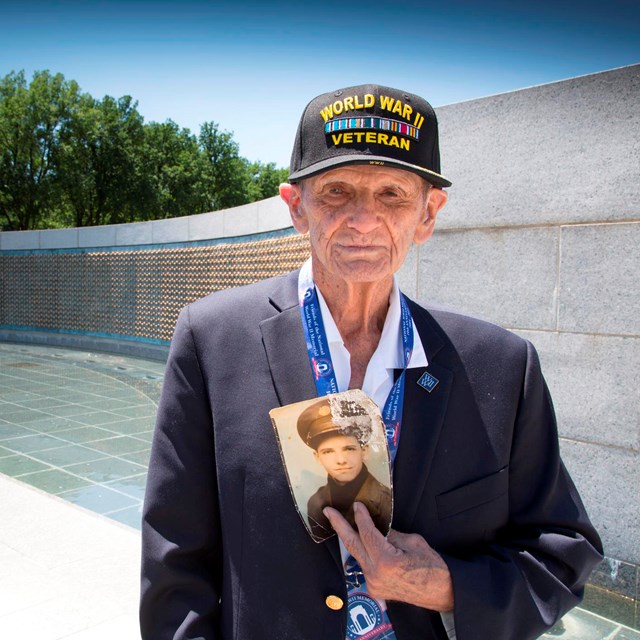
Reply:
x=388, y=356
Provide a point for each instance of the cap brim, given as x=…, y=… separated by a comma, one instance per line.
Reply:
x=432, y=177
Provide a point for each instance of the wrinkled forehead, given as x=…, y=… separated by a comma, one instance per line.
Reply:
x=365, y=175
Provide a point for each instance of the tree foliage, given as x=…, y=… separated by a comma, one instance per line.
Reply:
x=68, y=159
x=174, y=173
x=31, y=120
x=97, y=162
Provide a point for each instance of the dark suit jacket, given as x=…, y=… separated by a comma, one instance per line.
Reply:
x=477, y=473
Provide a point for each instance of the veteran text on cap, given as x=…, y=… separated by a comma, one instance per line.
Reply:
x=370, y=125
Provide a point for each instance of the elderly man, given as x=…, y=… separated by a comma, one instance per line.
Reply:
x=489, y=538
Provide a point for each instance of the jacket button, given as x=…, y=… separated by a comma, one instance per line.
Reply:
x=335, y=603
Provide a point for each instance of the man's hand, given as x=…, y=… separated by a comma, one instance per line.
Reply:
x=399, y=567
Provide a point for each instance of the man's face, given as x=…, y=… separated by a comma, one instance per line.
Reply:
x=342, y=457
x=362, y=220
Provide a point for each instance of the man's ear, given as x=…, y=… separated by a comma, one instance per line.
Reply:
x=365, y=452
x=291, y=194
x=436, y=200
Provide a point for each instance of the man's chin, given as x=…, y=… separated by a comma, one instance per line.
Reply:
x=364, y=271
x=341, y=479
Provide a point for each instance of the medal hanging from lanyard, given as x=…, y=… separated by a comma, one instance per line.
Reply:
x=366, y=618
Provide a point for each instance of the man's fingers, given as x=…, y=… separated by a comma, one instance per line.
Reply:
x=338, y=522
x=402, y=566
x=371, y=538
x=349, y=537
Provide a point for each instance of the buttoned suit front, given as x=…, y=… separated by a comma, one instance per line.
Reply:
x=477, y=474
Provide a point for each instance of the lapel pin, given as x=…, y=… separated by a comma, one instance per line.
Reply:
x=428, y=382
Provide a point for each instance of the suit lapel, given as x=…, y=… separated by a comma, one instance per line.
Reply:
x=286, y=349
x=285, y=346
x=422, y=421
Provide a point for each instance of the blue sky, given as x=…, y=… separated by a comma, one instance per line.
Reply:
x=251, y=67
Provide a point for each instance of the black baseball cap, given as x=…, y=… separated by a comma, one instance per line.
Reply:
x=319, y=422
x=369, y=125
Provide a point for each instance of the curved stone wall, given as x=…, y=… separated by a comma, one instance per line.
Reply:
x=132, y=294
x=93, y=288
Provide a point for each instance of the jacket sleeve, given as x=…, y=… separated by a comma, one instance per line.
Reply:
x=180, y=526
x=535, y=570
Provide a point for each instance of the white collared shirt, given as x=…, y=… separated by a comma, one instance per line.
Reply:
x=387, y=357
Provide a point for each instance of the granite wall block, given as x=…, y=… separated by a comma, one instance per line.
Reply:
x=19, y=240
x=205, y=226
x=594, y=382
x=599, y=284
x=273, y=214
x=608, y=479
x=507, y=276
x=562, y=152
x=172, y=230
x=59, y=239
x=240, y=221
x=134, y=233
x=97, y=236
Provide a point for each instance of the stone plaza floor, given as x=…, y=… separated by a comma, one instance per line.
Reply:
x=75, y=433
x=78, y=425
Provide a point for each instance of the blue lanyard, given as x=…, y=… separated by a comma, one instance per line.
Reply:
x=322, y=366
x=377, y=621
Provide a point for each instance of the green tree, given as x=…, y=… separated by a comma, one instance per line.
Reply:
x=226, y=171
x=99, y=162
x=67, y=159
x=31, y=121
x=175, y=172
x=265, y=180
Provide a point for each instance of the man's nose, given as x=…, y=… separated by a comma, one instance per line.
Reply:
x=363, y=216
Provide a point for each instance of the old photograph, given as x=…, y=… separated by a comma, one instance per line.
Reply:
x=335, y=453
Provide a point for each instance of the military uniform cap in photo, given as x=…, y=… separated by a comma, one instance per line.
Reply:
x=368, y=125
x=338, y=418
